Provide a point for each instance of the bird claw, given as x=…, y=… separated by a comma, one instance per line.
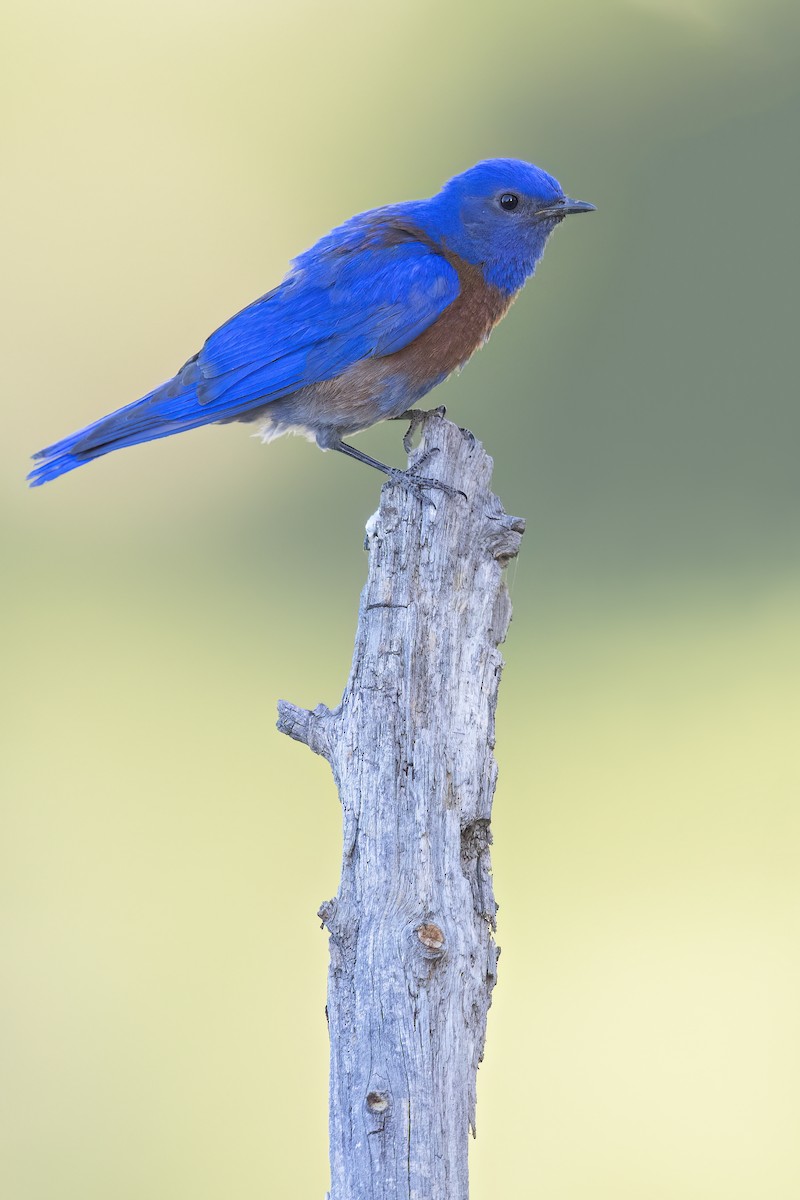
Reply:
x=414, y=421
x=424, y=481
x=415, y=417
x=425, y=457
x=410, y=479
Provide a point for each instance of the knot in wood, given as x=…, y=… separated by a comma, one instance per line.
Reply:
x=431, y=938
x=377, y=1102
x=504, y=537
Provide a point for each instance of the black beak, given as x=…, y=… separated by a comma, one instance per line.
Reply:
x=566, y=207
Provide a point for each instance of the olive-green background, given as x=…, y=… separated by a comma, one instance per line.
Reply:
x=163, y=849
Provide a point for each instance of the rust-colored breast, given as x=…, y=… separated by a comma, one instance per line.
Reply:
x=462, y=328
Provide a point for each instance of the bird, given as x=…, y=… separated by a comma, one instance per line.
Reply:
x=366, y=322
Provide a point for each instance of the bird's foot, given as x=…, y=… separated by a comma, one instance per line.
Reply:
x=408, y=479
x=412, y=478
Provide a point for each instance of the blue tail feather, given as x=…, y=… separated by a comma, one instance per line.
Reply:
x=143, y=421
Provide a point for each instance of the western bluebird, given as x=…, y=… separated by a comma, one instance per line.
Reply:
x=366, y=322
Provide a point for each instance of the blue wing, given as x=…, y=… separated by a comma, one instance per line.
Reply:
x=365, y=290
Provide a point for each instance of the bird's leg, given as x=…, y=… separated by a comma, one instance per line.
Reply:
x=407, y=478
x=415, y=416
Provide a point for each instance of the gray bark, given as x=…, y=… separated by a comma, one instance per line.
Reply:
x=412, y=951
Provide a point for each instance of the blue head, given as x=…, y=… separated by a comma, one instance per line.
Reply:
x=499, y=214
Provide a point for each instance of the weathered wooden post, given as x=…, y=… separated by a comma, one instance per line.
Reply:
x=413, y=955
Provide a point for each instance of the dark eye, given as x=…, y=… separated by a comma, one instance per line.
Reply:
x=509, y=201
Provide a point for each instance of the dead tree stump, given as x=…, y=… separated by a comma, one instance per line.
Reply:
x=412, y=951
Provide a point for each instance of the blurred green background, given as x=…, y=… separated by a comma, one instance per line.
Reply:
x=163, y=849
